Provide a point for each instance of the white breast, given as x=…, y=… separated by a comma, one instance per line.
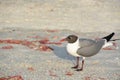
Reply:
x=72, y=48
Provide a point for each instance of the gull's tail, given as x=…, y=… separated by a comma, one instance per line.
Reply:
x=109, y=36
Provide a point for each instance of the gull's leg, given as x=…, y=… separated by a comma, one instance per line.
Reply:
x=82, y=65
x=77, y=63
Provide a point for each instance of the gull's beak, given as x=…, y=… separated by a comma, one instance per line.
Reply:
x=64, y=39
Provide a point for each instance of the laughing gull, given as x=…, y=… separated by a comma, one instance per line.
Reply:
x=81, y=47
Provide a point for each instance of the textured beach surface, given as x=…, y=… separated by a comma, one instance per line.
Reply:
x=31, y=33
x=80, y=15
x=22, y=59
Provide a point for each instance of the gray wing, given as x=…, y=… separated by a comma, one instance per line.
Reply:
x=86, y=42
x=90, y=47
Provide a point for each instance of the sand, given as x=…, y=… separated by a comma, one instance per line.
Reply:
x=35, y=20
x=32, y=64
x=78, y=15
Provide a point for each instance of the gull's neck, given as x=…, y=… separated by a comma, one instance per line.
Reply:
x=73, y=47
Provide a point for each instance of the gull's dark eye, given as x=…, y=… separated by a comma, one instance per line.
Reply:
x=69, y=37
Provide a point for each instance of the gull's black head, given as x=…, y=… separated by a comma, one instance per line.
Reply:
x=71, y=38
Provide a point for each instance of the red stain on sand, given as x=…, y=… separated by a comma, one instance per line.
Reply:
x=108, y=48
x=31, y=69
x=68, y=73
x=11, y=41
x=87, y=78
x=44, y=41
x=7, y=47
x=30, y=44
x=52, y=30
x=17, y=77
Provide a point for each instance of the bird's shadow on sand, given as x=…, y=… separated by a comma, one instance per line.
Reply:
x=60, y=51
